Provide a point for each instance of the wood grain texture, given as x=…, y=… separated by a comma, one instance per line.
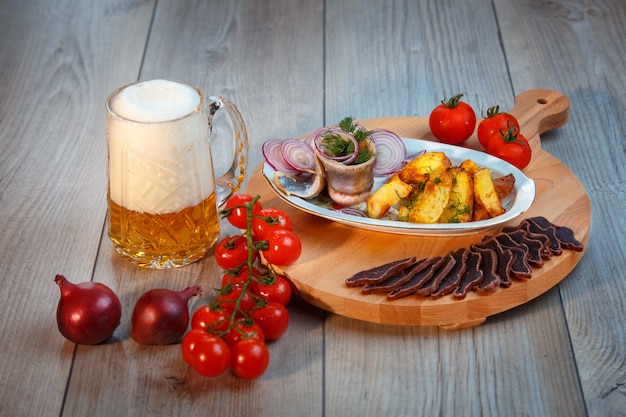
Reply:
x=57, y=66
x=218, y=46
x=582, y=54
x=292, y=66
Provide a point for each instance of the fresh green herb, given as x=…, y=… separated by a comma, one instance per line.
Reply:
x=335, y=145
x=364, y=155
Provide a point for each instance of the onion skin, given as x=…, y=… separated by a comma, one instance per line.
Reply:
x=87, y=313
x=161, y=316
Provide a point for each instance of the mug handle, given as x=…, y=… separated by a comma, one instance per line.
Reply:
x=229, y=182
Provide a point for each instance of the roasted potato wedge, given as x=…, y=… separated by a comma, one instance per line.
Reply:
x=469, y=166
x=432, y=200
x=479, y=212
x=461, y=203
x=419, y=169
x=390, y=194
x=485, y=192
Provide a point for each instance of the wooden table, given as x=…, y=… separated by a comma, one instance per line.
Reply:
x=292, y=67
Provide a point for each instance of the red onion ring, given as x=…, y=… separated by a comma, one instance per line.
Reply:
x=345, y=159
x=272, y=153
x=298, y=155
x=351, y=211
x=390, y=152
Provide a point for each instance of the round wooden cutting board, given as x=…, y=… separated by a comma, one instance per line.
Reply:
x=332, y=252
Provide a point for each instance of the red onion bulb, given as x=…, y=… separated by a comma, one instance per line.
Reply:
x=161, y=316
x=87, y=313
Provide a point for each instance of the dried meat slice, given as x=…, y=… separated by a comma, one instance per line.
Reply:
x=395, y=281
x=535, y=247
x=504, y=267
x=491, y=280
x=431, y=285
x=452, y=280
x=379, y=273
x=520, y=268
x=550, y=232
x=417, y=281
x=564, y=234
x=472, y=276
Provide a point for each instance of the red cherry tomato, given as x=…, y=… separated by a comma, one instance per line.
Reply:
x=283, y=247
x=232, y=252
x=244, y=329
x=238, y=277
x=279, y=290
x=227, y=299
x=269, y=219
x=273, y=319
x=207, y=319
x=206, y=353
x=494, y=123
x=235, y=211
x=452, y=121
x=249, y=359
x=512, y=147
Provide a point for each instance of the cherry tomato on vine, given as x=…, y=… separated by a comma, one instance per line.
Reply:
x=512, y=147
x=494, y=123
x=207, y=319
x=452, y=121
x=283, y=247
x=228, y=297
x=244, y=329
x=232, y=252
x=249, y=359
x=238, y=277
x=206, y=353
x=269, y=219
x=273, y=319
x=236, y=213
x=279, y=291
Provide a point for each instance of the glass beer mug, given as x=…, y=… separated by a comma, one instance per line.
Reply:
x=162, y=191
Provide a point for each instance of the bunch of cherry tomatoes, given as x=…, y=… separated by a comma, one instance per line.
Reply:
x=250, y=307
x=453, y=122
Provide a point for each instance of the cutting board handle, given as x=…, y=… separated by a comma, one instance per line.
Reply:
x=538, y=111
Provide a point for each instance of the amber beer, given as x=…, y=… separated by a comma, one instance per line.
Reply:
x=161, y=196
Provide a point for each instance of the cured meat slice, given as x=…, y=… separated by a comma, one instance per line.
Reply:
x=535, y=247
x=395, y=281
x=520, y=267
x=379, y=273
x=550, y=232
x=417, y=281
x=564, y=234
x=431, y=285
x=452, y=280
x=490, y=280
x=504, y=267
x=472, y=276
x=546, y=252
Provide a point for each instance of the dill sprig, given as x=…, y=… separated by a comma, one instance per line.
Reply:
x=335, y=145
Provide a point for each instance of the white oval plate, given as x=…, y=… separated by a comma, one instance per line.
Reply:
x=516, y=203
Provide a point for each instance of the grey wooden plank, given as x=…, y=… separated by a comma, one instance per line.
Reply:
x=401, y=64
x=404, y=57
x=264, y=56
x=57, y=63
x=577, y=48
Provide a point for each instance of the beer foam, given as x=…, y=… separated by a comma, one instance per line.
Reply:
x=155, y=101
x=163, y=164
